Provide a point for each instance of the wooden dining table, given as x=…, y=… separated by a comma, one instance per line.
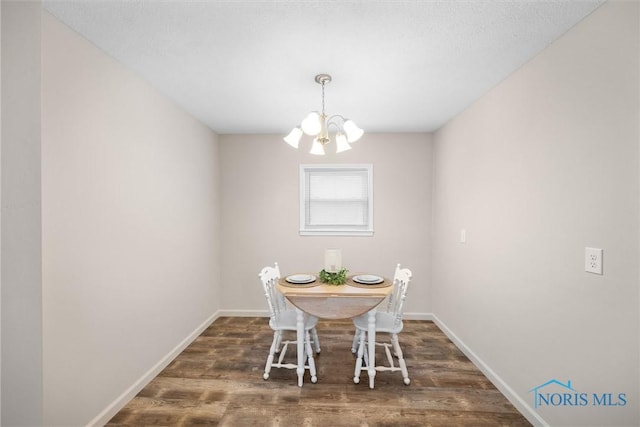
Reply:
x=336, y=302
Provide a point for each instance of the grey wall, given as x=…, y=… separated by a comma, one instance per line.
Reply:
x=20, y=228
x=130, y=229
x=539, y=168
x=260, y=185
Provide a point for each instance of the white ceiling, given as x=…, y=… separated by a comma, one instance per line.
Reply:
x=249, y=66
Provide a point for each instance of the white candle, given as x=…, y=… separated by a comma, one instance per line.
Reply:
x=332, y=260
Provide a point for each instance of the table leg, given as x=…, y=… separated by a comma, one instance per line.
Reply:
x=300, y=344
x=372, y=347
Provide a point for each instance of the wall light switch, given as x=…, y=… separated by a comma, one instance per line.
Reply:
x=593, y=260
x=463, y=235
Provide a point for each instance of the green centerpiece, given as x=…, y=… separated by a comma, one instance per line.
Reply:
x=333, y=278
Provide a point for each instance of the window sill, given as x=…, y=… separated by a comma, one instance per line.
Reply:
x=336, y=232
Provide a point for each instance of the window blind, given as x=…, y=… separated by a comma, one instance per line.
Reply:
x=336, y=199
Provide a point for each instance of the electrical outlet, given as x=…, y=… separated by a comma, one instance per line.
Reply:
x=593, y=260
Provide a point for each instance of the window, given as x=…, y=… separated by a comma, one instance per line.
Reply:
x=336, y=200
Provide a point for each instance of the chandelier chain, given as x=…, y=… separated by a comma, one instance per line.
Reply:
x=323, y=97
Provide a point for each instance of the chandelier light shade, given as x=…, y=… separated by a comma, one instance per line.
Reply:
x=318, y=125
x=293, y=139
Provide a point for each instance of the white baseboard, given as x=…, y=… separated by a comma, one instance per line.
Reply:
x=243, y=313
x=265, y=313
x=522, y=406
x=103, y=417
x=418, y=316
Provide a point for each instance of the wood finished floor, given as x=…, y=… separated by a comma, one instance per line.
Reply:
x=217, y=381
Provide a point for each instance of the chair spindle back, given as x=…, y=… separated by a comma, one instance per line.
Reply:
x=269, y=277
x=401, y=280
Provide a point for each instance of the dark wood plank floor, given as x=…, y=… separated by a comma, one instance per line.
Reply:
x=217, y=381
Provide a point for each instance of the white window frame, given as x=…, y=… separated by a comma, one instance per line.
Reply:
x=335, y=230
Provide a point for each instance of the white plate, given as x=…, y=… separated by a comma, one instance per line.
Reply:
x=368, y=279
x=301, y=278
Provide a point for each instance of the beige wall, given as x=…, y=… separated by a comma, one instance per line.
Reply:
x=539, y=168
x=21, y=231
x=130, y=217
x=261, y=213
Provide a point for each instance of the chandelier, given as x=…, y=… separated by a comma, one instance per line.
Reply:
x=317, y=124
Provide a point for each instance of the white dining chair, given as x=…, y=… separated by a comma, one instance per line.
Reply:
x=387, y=322
x=283, y=319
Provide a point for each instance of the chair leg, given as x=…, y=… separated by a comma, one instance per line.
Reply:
x=272, y=351
x=316, y=341
x=361, y=354
x=279, y=342
x=310, y=361
x=401, y=362
x=356, y=338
